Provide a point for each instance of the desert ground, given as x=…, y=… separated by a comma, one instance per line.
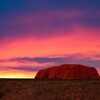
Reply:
x=30, y=89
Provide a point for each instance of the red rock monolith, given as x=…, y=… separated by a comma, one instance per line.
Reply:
x=68, y=71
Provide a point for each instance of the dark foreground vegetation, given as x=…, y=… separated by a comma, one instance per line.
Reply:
x=28, y=89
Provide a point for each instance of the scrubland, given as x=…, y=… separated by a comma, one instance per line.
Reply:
x=30, y=89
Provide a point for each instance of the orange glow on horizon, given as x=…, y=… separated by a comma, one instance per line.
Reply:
x=16, y=74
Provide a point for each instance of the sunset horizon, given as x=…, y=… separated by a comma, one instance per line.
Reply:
x=37, y=34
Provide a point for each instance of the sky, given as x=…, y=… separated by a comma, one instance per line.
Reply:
x=36, y=34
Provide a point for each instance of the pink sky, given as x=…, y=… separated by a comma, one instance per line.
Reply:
x=31, y=38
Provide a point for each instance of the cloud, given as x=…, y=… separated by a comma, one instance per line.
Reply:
x=41, y=59
x=92, y=60
x=23, y=68
x=22, y=64
x=36, y=59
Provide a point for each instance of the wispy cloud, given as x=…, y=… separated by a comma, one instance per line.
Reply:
x=23, y=63
x=92, y=60
x=23, y=68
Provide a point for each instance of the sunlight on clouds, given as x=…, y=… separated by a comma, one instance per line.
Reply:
x=78, y=42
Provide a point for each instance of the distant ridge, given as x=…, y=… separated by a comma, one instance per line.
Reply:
x=68, y=71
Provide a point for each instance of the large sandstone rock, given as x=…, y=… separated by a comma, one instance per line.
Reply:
x=68, y=71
